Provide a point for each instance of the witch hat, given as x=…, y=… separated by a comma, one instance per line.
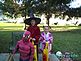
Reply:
x=28, y=20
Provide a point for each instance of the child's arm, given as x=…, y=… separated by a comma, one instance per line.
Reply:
x=37, y=36
x=50, y=38
x=42, y=39
x=16, y=48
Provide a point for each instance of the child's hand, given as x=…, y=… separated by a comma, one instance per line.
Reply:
x=40, y=38
x=33, y=39
x=30, y=38
x=48, y=41
x=44, y=41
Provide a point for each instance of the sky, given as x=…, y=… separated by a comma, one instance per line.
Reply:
x=75, y=4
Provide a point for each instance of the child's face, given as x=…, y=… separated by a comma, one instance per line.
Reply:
x=33, y=22
x=27, y=37
x=46, y=29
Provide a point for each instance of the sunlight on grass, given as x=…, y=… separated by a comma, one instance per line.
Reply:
x=65, y=28
x=11, y=24
x=17, y=26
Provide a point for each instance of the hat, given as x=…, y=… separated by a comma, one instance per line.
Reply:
x=26, y=33
x=28, y=21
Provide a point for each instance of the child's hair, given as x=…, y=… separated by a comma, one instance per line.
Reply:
x=47, y=26
x=50, y=29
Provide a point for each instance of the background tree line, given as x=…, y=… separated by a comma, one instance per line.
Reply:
x=17, y=8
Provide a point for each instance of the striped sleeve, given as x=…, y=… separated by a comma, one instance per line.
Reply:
x=50, y=38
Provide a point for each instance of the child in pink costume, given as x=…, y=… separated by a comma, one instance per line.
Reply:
x=25, y=48
x=46, y=36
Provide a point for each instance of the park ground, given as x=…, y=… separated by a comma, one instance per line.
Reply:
x=66, y=38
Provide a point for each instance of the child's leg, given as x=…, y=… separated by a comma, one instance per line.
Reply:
x=37, y=50
x=24, y=60
x=50, y=48
x=41, y=46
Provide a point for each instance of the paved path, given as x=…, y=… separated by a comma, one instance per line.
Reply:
x=4, y=57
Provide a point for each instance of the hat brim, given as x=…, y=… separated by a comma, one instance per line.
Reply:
x=28, y=21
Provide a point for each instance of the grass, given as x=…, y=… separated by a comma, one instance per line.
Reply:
x=65, y=38
x=11, y=27
x=68, y=41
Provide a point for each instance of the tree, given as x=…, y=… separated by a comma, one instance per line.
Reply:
x=57, y=7
x=14, y=8
x=10, y=9
x=49, y=7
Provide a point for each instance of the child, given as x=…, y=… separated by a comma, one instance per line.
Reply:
x=25, y=48
x=34, y=29
x=46, y=36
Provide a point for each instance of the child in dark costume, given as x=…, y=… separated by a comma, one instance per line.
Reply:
x=34, y=29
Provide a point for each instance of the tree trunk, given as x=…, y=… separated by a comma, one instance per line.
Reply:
x=48, y=17
x=25, y=16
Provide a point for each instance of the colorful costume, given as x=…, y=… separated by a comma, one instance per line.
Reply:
x=35, y=32
x=34, y=29
x=46, y=37
x=26, y=49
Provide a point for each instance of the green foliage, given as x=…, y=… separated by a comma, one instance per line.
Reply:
x=38, y=7
x=11, y=9
x=1, y=6
x=57, y=7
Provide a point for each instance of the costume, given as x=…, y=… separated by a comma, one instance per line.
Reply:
x=35, y=32
x=46, y=37
x=28, y=21
x=25, y=48
x=34, y=29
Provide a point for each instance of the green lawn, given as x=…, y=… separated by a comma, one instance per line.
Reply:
x=65, y=38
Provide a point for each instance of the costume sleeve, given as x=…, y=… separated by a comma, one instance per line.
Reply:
x=32, y=52
x=42, y=37
x=37, y=36
x=50, y=38
x=16, y=48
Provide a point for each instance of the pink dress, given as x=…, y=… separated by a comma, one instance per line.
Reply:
x=46, y=37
